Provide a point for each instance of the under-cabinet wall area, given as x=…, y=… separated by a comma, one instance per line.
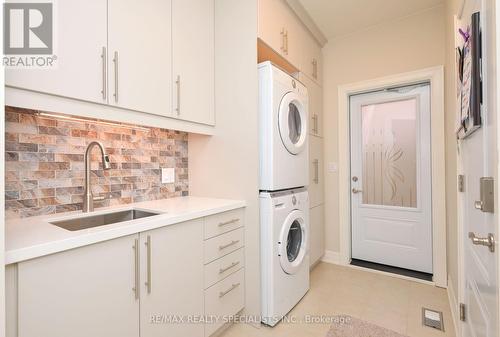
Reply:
x=44, y=168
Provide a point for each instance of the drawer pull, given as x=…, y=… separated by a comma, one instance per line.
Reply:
x=232, y=243
x=232, y=265
x=224, y=293
x=222, y=224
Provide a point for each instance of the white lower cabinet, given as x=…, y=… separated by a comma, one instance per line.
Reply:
x=317, y=238
x=81, y=292
x=171, y=286
x=224, y=269
x=151, y=284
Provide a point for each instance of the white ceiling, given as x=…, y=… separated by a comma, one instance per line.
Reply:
x=339, y=17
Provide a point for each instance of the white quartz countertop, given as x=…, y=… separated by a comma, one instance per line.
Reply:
x=33, y=237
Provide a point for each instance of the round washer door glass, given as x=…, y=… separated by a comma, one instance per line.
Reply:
x=292, y=122
x=293, y=242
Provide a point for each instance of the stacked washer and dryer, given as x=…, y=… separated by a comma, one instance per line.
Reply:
x=284, y=201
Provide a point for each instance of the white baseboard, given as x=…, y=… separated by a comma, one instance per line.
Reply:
x=452, y=299
x=331, y=257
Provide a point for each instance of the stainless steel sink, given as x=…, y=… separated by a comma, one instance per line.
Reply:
x=102, y=219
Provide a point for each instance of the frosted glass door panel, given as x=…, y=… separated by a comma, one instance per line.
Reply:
x=389, y=148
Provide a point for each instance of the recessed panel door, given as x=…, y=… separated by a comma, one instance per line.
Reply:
x=391, y=178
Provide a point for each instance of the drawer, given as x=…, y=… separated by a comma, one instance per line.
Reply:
x=223, y=244
x=223, y=222
x=223, y=267
x=224, y=298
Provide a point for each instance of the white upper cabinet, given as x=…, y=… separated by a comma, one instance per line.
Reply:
x=281, y=29
x=312, y=60
x=271, y=24
x=193, y=60
x=79, y=39
x=140, y=55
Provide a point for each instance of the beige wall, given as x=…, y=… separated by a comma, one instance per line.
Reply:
x=403, y=45
x=226, y=165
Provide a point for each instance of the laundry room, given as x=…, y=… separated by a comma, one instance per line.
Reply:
x=250, y=168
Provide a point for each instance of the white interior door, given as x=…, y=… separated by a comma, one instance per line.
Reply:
x=391, y=178
x=478, y=158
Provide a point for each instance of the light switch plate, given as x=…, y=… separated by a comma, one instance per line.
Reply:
x=332, y=167
x=168, y=175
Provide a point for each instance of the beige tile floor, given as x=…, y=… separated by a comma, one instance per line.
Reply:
x=387, y=301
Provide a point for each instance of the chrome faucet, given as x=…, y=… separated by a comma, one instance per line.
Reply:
x=88, y=200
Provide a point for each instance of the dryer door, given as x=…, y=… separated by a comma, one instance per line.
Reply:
x=292, y=122
x=293, y=242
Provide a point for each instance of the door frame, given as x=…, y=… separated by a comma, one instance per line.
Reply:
x=435, y=76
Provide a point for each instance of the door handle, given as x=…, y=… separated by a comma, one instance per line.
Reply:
x=355, y=190
x=488, y=241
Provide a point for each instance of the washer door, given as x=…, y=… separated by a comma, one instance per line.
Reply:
x=293, y=242
x=292, y=122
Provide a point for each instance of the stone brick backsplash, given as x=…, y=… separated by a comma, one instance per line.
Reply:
x=44, y=163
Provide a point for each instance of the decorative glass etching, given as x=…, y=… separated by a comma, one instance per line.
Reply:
x=390, y=153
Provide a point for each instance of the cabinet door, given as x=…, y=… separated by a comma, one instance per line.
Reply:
x=315, y=93
x=79, y=38
x=172, y=279
x=271, y=24
x=140, y=55
x=317, y=227
x=193, y=60
x=316, y=183
x=312, y=62
x=80, y=293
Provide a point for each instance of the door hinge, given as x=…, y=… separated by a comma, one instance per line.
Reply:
x=461, y=183
x=462, y=312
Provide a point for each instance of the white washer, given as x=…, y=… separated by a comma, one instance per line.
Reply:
x=284, y=218
x=284, y=150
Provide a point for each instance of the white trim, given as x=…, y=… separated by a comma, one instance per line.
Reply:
x=331, y=257
x=435, y=76
x=452, y=300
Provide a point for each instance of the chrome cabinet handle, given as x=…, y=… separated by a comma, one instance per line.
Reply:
x=224, y=293
x=178, y=84
x=115, y=61
x=232, y=265
x=136, y=288
x=104, y=73
x=315, y=124
x=315, y=69
x=283, y=40
x=355, y=190
x=286, y=42
x=488, y=241
x=316, y=171
x=222, y=224
x=232, y=243
x=148, y=253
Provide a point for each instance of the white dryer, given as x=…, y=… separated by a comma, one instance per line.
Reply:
x=284, y=251
x=283, y=119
